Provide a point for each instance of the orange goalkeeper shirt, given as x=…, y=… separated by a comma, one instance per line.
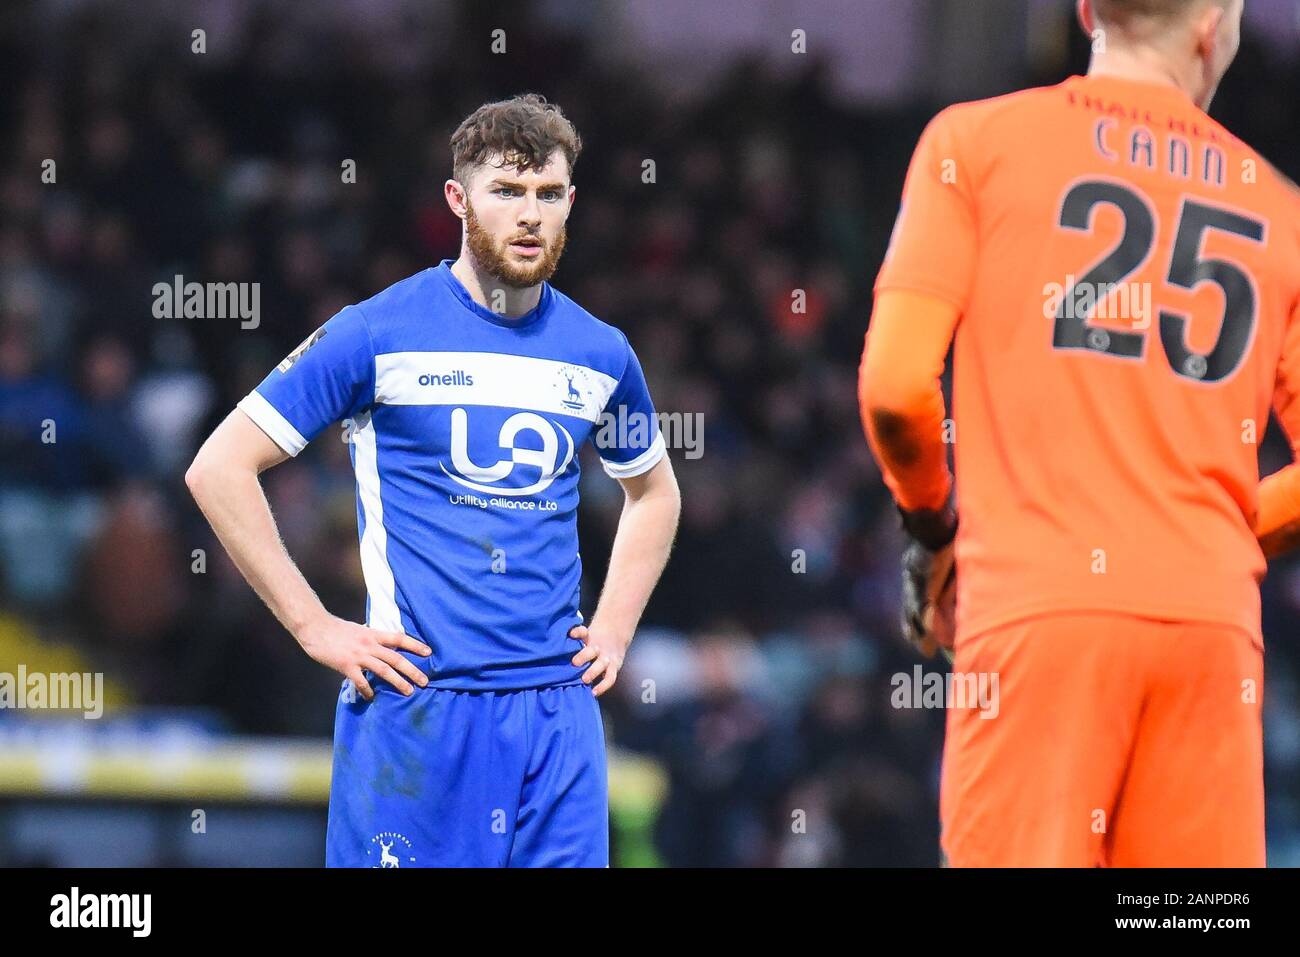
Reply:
x=1127, y=275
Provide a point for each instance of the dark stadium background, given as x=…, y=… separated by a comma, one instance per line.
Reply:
x=770, y=739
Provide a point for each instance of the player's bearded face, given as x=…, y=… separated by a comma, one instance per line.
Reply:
x=515, y=227
x=500, y=255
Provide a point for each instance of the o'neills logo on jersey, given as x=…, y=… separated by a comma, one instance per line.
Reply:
x=458, y=377
x=549, y=461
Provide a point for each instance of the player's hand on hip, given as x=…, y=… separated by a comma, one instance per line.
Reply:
x=604, y=651
x=351, y=649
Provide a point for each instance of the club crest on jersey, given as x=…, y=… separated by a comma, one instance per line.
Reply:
x=551, y=460
x=380, y=853
x=574, y=387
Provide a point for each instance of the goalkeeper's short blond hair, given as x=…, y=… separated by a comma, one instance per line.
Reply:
x=1127, y=14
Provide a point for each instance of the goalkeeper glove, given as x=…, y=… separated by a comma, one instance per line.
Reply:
x=929, y=577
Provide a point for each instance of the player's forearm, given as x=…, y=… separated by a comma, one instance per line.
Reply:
x=232, y=500
x=1278, y=522
x=901, y=397
x=641, y=546
x=907, y=440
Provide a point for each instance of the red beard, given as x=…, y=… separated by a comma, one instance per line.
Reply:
x=493, y=259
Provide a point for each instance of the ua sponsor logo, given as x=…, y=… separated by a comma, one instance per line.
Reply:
x=550, y=459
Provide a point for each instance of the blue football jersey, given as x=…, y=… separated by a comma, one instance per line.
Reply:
x=464, y=430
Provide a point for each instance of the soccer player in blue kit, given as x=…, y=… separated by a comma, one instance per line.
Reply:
x=467, y=730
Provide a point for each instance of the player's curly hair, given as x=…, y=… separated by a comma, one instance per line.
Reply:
x=525, y=130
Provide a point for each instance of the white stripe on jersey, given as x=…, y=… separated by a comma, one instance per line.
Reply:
x=374, y=540
x=492, y=378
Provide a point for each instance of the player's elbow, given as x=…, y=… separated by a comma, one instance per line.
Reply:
x=894, y=434
x=890, y=410
x=205, y=472
x=198, y=477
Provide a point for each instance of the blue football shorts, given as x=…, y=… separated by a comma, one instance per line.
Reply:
x=468, y=779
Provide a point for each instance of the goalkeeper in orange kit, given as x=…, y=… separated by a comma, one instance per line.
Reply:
x=1119, y=279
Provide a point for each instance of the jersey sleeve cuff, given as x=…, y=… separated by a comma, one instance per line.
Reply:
x=268, y=418
x=641, y=464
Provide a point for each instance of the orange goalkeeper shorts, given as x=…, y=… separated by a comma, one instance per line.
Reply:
x=1111, y=740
